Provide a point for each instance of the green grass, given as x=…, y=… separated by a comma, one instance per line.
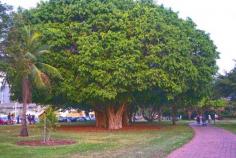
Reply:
x=122, y=144
x=228, y=124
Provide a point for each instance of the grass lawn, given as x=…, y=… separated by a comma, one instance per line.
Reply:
x=123, y=144
x=228, y=124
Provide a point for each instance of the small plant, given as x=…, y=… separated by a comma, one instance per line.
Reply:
x=48, y=123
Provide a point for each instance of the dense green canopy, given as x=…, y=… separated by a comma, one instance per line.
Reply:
x=108, y=49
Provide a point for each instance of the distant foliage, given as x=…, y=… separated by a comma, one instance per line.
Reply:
x=214, y=104
x=225, y=85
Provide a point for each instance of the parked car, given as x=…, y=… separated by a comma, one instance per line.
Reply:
x=72, y=119
x=81, y=119
x=3, y=121
x=62, y=119
x=90, y=118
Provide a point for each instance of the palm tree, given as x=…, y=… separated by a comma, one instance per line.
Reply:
x=23, y=53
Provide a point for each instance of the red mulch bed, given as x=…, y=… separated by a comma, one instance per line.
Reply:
x=91, y=128
x=49, y=143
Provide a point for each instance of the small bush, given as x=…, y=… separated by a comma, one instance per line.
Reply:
x=48, y=123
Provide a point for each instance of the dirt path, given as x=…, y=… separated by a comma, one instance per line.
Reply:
x=208, y=142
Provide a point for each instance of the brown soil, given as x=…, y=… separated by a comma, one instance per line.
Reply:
x=91, y=128
x=49, y=143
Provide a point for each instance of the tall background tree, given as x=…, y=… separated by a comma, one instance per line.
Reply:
x=5, y=24
x=24, y=68
x=225, y=87
x=5, y=20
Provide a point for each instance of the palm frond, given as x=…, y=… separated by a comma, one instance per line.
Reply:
x=42, y=52
x=27, y=35
x=31, y=38
x=30, y=56
x=46, y=79
x=50, y=70
x=35, y=37
x=39, y=77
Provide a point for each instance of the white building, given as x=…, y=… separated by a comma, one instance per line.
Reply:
x=4, y=94
x=8, y=106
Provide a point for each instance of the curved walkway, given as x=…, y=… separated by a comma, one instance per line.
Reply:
x=208, y=142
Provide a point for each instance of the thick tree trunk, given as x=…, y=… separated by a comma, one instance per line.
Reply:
x=25, y=98
x=114, y=117
x=101, y=120
x=130, y=117
x=125, y=119
x=174, y=115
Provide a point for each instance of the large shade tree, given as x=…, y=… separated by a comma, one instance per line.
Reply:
x=110, y=49
x=225, y=87
x=203, y=56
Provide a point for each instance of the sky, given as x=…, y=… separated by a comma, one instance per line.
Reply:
x=216, y=17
